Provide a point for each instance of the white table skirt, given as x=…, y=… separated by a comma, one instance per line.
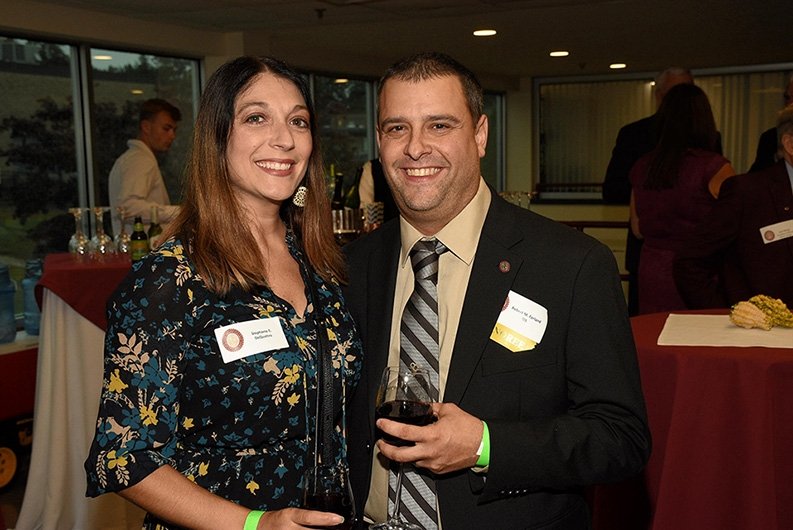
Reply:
x=68, y=384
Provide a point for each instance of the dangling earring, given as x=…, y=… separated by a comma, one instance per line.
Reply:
x=299, y=198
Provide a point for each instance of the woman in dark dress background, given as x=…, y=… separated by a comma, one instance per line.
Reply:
x=674, y=187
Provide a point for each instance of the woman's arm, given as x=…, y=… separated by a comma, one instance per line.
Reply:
x=170, y=496
x=714, y=184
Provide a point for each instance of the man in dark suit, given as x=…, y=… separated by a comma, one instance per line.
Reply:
x=745, y=246
x=634, y=141
x=767, y=147
x=539, y=387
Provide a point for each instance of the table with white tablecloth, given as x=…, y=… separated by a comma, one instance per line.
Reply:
x=68, y=384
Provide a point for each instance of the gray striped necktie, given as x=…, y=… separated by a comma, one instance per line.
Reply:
x=419, y=346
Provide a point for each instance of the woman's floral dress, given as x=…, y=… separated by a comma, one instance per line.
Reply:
x=244, y=429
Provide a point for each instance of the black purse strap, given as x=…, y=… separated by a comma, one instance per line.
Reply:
x=324, y=380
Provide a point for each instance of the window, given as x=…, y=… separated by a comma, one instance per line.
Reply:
x=121, y=81
x=579, y=121
x=346, y=123
x=493, y=162
x=38, y=151
x=57, y=144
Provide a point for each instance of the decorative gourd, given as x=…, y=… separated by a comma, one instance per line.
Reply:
x=774, y=308
x=748, y=315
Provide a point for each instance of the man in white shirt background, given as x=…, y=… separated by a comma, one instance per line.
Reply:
x=135, y=182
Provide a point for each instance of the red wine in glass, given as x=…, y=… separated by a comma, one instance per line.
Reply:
x=404, y=411
x=337, y=503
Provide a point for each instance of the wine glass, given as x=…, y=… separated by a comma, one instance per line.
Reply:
x=78, y=243
x=347, y=224
x=101, y=243
x=327, y=488
x=121, y=240
x=403, y=396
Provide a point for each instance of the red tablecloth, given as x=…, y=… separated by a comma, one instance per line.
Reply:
x=722, y=426
x=84, y=283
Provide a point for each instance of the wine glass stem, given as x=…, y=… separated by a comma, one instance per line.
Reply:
x=398, y=493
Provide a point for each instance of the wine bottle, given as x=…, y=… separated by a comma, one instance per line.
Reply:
x=337, y=203
x=154, y=229
x=138, y=241
x=351, y=199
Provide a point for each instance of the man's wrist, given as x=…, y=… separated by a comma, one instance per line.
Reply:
x=484, y=447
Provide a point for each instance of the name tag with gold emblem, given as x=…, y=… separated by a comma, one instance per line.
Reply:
x=777, y=231
x=521, y=324
x=250, y=337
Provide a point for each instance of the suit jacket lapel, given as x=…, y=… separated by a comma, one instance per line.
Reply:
x=493, y=273
x=380, y=281
x=782, y=197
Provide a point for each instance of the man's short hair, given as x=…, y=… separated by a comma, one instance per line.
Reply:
x=431, y=65
x=151, y=107
x=662, y=78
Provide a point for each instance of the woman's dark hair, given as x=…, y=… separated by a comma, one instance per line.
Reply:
x=685, y=121
x=212, y=220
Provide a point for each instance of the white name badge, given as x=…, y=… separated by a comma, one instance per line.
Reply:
x=777, y=231
x=521, y=324
x=250, y=337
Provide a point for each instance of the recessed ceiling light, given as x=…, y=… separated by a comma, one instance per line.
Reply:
x=484, y=33
x=560, y=53
x=136, y=91
x=103, y=57
x=341, y=80
x=617, y=66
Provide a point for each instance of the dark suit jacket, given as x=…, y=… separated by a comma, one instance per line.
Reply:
x=725, y=260
x=564, y=415
x=633, y=142
x=767, y=148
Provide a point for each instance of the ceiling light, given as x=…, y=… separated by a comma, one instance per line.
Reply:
x=136, y=91
x=341, y=80
x=617, y=66
x=484, y=33
x=560, y=53
x=103, y=57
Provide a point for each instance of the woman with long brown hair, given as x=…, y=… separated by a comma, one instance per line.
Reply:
x=207, y=416
x=674, y=187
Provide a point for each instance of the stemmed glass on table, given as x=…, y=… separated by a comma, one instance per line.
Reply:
x=122, y=239
x=403, y=396
x=78, y=243
x=101, y=243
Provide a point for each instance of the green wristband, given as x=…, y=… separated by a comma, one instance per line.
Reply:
x=252, y=521
x=484, y=454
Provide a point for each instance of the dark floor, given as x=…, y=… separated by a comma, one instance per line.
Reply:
x=11, y=495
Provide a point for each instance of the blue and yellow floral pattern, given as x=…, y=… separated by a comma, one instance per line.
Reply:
x=243, y=430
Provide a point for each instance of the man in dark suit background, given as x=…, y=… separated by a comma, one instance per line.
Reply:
x=745, y=246
x=529, y=414
x=634, y=141
x=768, y=145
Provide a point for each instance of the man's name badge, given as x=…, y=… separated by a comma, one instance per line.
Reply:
x=521, y=324
x=777, y=231
x=249, y=338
